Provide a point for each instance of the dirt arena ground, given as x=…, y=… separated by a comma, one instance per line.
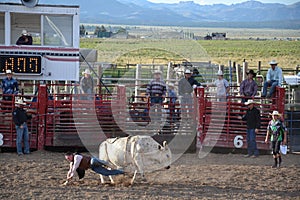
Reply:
x=217, y=176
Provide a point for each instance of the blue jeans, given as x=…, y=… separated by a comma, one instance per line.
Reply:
x=156, y=100
x=88, y=95
x=273, y=85
x=97, y=166
x=22, y=133
x=251, y=142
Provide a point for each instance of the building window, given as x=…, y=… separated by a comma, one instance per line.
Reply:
x=58, y=31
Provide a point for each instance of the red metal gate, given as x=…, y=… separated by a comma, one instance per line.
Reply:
x=221, y=124
x=53, y=121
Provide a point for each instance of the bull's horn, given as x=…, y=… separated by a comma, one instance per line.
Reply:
x=164, y=143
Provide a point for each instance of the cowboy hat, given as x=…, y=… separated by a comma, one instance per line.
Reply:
x=20, y=102
x=251, y=72
x=8, y=71
x=187, y=71
x=86, y=71
x=220, y=73
x=250, y=101
x=24, y=32
x=275, y=112
x=171, y=85
x=157, y=72
x=273, y=62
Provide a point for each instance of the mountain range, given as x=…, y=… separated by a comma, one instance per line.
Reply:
x=249, y=14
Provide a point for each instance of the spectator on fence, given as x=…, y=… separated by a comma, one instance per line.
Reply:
x=186, y=86
x=252, y=119
x=278, y=132
x=156, y=89
x=274, y=78
x=9, y=86
x=24, y=39
x=222, y=87
x=80, y=163
x=248, y=87
x=87, y=85
x=20, y=118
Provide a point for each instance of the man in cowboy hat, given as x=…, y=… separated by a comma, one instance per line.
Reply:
x=278, y=132
x=9, y=86
x=24, y=39
x=248, y=87
x=87, y=85
x=20, y=118
x=188, y=78
x=274, y=78
x=186, y=86
x=252, y=118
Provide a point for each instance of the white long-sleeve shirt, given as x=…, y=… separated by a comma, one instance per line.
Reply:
x=74, y=165
x=275, y=75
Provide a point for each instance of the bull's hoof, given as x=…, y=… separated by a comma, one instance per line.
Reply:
x=65, y=183
x=108, y=184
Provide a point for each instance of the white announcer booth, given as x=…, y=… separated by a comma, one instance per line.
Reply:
x=54, y=54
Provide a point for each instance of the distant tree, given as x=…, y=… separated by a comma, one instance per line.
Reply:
x=102, y=29
x=82, y=31
x=97, y=30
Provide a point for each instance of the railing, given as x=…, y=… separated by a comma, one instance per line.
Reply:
x=292, y=121
x=60, y=119
x=7, y=127
x=221, y=123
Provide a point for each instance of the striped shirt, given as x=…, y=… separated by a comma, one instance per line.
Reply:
x=156, y=87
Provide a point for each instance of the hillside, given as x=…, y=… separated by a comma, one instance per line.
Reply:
x=248, y=14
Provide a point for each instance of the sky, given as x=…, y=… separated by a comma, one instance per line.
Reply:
x=229, y=2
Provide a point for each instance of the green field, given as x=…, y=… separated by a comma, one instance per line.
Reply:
x=160, y=51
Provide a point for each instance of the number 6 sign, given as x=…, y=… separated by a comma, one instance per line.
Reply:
x=238, y=141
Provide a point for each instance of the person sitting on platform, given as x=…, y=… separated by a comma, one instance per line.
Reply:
x=24, y=39
x=274, y=78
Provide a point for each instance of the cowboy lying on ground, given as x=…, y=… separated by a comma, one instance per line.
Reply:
x=81, y=163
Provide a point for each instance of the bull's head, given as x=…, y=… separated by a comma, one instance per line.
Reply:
x=164, y=146
x=165, y=150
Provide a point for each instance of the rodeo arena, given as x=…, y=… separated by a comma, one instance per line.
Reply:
x=49, y=72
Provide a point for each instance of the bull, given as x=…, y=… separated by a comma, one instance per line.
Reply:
x=138, y=154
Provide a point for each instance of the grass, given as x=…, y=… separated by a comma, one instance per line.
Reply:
x=134, y=51
x=285, y=52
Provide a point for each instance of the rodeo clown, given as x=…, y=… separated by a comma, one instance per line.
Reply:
x=278, y=132
x=79, y=163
